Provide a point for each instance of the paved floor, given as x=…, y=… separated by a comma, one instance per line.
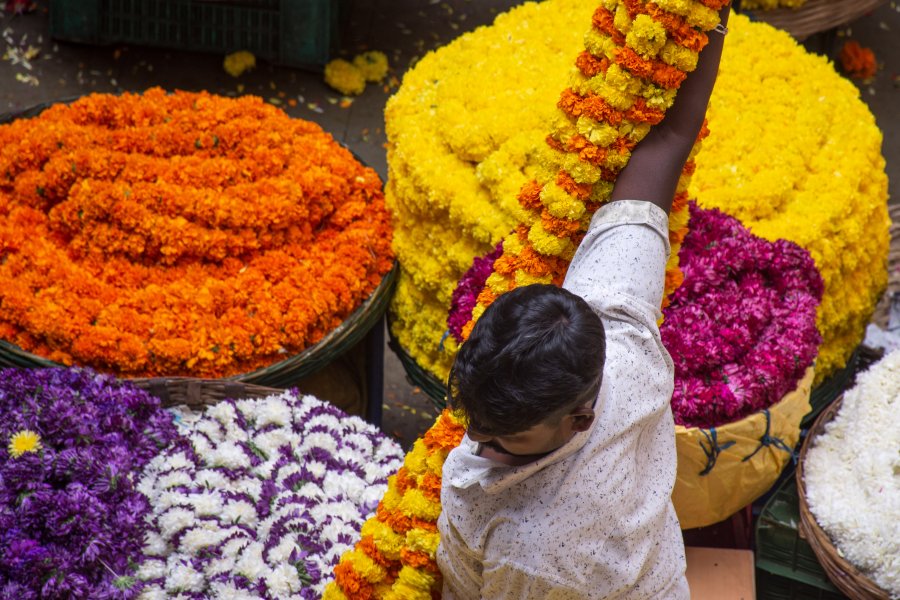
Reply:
x=403, y=29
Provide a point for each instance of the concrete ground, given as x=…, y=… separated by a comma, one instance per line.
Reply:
x=405, y=30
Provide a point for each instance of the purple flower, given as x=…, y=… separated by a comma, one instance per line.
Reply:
x=741, y=329
x=465, y=296
x=71, y=521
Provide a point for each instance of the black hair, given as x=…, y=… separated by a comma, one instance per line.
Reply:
x=535, y=353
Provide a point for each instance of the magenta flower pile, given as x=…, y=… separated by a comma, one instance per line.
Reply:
x=72, y=524
x=465, y=296
x=741, y=329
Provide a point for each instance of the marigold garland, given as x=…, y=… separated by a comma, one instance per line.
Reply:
x=181, y=234
x=395, y=557
x=625, y=81
x=465, y=134
x=858, y=61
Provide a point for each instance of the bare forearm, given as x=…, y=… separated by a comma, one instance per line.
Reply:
x=654, y=168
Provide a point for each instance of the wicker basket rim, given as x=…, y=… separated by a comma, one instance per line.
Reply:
x=370, y=310
x=814, y=16
x=843, y=574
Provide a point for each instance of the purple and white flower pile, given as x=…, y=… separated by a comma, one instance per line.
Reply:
x=260, y=499
x=71, y=521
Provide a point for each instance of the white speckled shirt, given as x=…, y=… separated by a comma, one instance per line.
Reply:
x=594, y=519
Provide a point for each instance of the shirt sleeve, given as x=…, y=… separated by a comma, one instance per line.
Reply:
x=619, y=268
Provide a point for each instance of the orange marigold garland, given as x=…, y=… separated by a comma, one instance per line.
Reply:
x=181, y=234
x=858, y=61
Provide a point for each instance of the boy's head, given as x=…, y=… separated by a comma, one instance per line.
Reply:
x=529, y=373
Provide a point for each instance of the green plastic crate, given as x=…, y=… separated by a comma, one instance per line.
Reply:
x=785, y=564
x=299, y=33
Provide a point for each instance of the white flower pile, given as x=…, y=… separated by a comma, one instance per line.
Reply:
x=852, y=475
x=260, y=499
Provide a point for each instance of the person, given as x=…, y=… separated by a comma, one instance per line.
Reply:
x=561, y=487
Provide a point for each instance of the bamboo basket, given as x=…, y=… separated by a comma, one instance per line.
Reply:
x=814, y=16
x=199, y=393
x=842, y=574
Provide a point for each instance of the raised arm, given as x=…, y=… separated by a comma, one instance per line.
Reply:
x=656, y=162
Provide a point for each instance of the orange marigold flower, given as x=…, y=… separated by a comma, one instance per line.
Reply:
x=181, y=234
x=858, y=61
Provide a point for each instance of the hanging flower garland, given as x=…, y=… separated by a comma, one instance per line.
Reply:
x=636, y=56
x=466, y=134
x=181, y=234
x=71, y=518
x=260, y=498
x=395, y=557
x=741, y=329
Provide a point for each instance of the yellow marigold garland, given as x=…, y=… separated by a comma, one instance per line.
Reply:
x=635, y=59
x=465, y=135
x=395, y=557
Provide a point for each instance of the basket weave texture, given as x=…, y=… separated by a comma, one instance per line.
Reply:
x=199, y=393
x=842, y=574
x=815, y=16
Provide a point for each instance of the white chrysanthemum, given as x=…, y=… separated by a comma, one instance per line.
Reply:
x=286, y=471
x=207, y=478
x=182, y=577
x=152, y=569
x=167, y=499
x=316, y=469
x=274, y=412
x=372, y=494
x=318, y=440
x=207, y=503
x=336, y=528
x=153, y=592
x=346, y=511
x=229, y=455
x=343, y=484
x=283, y=581
x=223, y=412
x=281, y=552
x=387, y=452
x=201, y=445
x=155, y=544
x=174, y=479
x=174, y=520
x=211, y=429
x=239, y=511
x=329, y=421
x=361, y=442
x=250, y=564
x=227, y=590
x=204, y=535
x=312, y=491
x=176, y=461
x=251, y=486
x=270, y=441
x=851, y=475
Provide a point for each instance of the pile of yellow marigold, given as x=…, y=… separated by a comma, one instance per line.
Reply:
x=792, y=153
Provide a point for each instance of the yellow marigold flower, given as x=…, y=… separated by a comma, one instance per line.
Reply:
x=560, y=204
x=23, y=442
x=344, y=77
x=647, y=36
x=238, y=62
x=373, y=65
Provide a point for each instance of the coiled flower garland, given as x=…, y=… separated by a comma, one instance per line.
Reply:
x=167, y=234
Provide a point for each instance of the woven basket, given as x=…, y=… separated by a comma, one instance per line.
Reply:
x=882, y=310
x=199, y=393
x=814, y=16
x=282, y=374
x=842, y=574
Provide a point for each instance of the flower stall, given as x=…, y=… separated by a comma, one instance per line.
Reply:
x=484, y=200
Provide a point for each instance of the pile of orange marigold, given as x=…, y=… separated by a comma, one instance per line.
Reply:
x=181, y=234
